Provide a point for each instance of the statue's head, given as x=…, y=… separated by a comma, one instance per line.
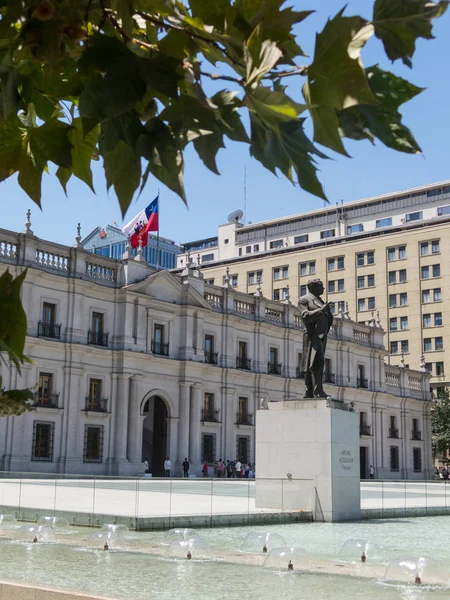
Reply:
x=316, y=287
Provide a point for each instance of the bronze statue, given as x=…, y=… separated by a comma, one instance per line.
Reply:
x=317, y=317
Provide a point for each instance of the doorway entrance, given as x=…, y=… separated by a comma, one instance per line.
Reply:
x=363, y=462
x=154, y=435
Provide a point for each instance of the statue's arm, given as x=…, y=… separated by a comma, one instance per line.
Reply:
x=309, y=316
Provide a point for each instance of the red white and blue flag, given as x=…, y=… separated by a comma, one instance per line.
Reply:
x=144, y=222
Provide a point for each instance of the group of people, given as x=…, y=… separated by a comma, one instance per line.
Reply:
x=233, y=469
x=442, y=473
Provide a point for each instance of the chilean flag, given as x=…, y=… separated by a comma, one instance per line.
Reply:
x=145, y=221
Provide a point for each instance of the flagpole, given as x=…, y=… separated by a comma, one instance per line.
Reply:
x=157, y=236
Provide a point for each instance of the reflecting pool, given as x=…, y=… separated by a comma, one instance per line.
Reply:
x=141, y=566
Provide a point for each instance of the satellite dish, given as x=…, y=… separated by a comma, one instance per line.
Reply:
x=235, y=216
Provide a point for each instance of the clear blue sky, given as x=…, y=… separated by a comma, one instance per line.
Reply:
x=372, y=170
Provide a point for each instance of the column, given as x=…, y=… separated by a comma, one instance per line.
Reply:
x=120, y=427
x=184, y=422
x=73, y=405
x=134, y=438
x=194, y=429
x=229, y=418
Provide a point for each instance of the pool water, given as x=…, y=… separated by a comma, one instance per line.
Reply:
x=132, y=574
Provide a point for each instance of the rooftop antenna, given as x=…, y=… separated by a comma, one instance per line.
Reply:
x=245, y=193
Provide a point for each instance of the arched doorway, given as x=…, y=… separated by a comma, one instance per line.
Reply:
x=154, y=435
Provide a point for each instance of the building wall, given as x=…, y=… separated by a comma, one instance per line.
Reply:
x=132, y=370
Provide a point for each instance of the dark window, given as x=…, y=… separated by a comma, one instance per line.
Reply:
x=415, y=216
x=276, y=244
x=242, y=449
x=436, y=270
x=404, y=299
x=207, y=257
x=443, y=210
x=158, y=338
x=435, y=249
x=45, y=386
x=93, y=443
x=209, y=343
x=355, y=228
x=95, y=389
x=42, y=441
x=360, y=260
x=48, y=313
x=387, y=222
x=329, y=233
x=243, y=350
x=394, y=458
x=402, y=276
x=417, y=460
x=301, y=239
x=243, y=405
x=394, y=347
x=208, y=403
x=371, y=257
x=255, y=247
x=439, y=343
x=371, y=303
x=208, y=447
x=392, y=300
x=97, y=323
x=303, y=290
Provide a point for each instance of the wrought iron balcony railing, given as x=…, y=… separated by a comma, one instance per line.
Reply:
x=393, y=433
x=362, y=383
x=274, y=368
x=46, y=400
x=95, y=338
x=329, y=377
x=211, y=358
x=244, y=418
x=50, y=330
x=210, y=416
x=94, y=404
x=160, y=348
x=243, y=363
x=364, y=430
x=416, y=435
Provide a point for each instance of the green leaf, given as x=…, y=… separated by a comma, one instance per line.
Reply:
x=123, y=10
x=64, y=175
x=261, y=55
x=51, y=141
x=160, y=73
x=207, y=147
x=165, y=160
x=13, y=320
x=83, y=148
x=30, y=176
x=336, y=78
x=123, y=171
x=273, y=106
x=123, y=86
x=15, y=402
x=229, y=104
x=398, y=24
x=10, y=147
x=383, y=120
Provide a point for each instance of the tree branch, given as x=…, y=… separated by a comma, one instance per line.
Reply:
x=216, y=76
x=297, y=71
x=165, y=25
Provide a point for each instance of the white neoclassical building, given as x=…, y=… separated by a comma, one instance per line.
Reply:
x=133, y=365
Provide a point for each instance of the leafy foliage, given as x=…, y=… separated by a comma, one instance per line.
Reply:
x=135, y=81
x=13, y=329
x=440, y=422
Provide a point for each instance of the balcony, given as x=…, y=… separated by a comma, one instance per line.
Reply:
x=243, y=363
x=299, y=373
x=362, y=383
x=274, y=368
x=46, y=400
x=99, y=405
x=49, y=330
x=160, y=349
x=244, y=418
x=364, y=430
x=416, y=435
x=210, y=416
x=96, y=338
x=211, y=358
x=393, y=433
x=329, y=378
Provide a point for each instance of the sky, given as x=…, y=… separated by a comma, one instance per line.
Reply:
x=372, y=170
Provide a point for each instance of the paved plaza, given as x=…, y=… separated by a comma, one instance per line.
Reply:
x=147, y=498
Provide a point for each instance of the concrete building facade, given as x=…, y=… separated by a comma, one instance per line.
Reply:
x=132, y=365
x=380, y=255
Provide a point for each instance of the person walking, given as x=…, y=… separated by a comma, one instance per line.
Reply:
x=186, y=466
x=205, y=469
x=229, y=469
x=371, y=472
x=167, y=466
x=221, y=469
x=238, y=468
x=216, y=469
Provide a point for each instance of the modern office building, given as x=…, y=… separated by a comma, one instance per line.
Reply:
x=381, y=255
x=111, y=242
x=132, y=365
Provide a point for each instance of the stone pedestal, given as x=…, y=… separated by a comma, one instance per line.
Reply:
x=312, y=446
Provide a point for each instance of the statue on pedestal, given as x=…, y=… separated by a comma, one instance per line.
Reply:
x=317, y=318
